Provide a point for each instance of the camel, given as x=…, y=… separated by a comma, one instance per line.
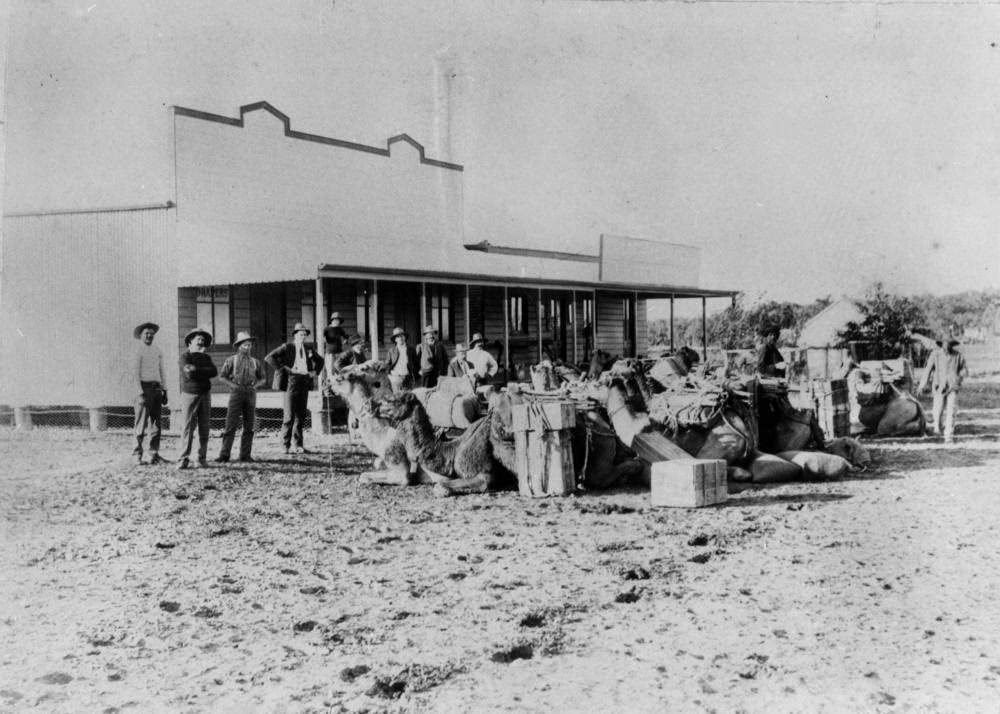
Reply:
x=359, y=387
x=478, y=461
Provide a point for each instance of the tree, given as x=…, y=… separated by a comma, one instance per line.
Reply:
x=886, y=323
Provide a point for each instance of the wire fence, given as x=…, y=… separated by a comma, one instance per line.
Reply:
x=332, y=417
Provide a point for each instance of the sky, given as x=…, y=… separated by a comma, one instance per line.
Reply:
x=808, y=149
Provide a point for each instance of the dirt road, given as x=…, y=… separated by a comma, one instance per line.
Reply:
x=287, y=586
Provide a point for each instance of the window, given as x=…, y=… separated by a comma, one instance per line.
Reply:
x=588, y=312
x=308, y=307
x=213, y=312
x=553, y=317
x=516, y=318
x=442, y=317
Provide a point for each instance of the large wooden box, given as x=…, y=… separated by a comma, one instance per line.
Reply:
x=543, y=447
x=688, y=483
x=550, y=415
x=832, y=407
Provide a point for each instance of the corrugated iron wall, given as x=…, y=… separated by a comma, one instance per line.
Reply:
x=72, y=289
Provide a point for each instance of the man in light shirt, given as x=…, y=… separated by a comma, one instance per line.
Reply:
x=484, y=367
x=151, y=378
x=243, y=374
x=295, y=363
x=945, y=371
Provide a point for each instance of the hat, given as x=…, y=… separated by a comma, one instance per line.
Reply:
x=334, y=316
x=198, y=331
x=137, y=332
x=241, y=337
x=460, y=347
x=299, y=327
x=477, y=338
x=397, y=331
x=429, y=329
x=356, y=340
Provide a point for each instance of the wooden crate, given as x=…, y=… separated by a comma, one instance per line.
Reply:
x=543, y=415
x=832, y=407
x=688, y=483
x=543, y=447
x=544, y=462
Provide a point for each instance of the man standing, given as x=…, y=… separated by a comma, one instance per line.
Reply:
x=197, y=370
x=402, y=361
x=355, y=355
x=151, y=377
x=334, y=338
x=771, y=363
x=243, y=374
x=295, y=363
x=484, y=367
x=460, y=366
x=433, y=358
x=947, y=367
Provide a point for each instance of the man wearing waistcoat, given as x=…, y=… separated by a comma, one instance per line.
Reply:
x=243, y=374
x=295, y=364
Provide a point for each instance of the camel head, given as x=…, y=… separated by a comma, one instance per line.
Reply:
x=397, y=407
x=600, y=361
x=364, y=381
x=502, y=417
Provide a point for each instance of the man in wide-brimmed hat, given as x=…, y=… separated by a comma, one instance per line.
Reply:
x=945, y=371
x=459, y=365
x=433, y=358
x=197, y=370
x=484, y=367
x=151, y=379
x=402, y=361
x=295, y=364
x=334, y=343
x=244, y=374
x=354, y=355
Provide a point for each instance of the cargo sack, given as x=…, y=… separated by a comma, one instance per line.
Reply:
x=727, y=440
x=464, y=411
x=816, y=464
x=595, y=448
x=768, y=468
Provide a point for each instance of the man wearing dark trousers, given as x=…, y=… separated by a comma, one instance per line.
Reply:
x=151, y=377
x=295, y=364
x=243, y=374
x=433, y=358
x=197, y=370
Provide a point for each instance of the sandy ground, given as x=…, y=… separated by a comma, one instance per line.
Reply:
x=287, y=586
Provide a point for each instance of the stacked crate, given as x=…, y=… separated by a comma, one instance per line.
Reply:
x=833, y=409
x=543, y=447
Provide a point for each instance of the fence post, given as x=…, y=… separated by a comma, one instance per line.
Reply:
x=98, y=419
x=22, y=419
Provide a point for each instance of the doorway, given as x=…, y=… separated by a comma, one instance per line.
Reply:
x=267, y=320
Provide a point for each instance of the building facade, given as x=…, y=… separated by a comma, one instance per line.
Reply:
x=269, y=226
